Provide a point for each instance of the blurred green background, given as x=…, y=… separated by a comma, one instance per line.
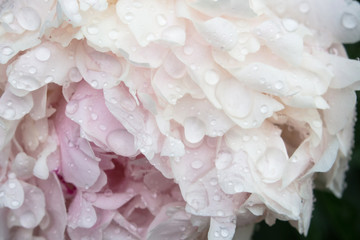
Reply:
x=333, y=218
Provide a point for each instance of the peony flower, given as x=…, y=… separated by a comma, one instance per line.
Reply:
x=186, y=119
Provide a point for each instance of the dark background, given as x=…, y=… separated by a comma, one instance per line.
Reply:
x=333, y=218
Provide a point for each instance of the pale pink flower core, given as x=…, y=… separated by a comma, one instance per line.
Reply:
x=189, y=119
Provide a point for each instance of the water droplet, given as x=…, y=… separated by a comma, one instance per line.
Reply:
x=7, y=51
x=94, y=83
x=349, y=21
x=15, y=203
x=129, y=17
x=188, y=50
x=28, y=18
x=150, y=37
x=92, y=29
x=113, y=34
x=294, y=159
x=279, y=85
x=217, y=197
x=213, y=181
x=220, y=213
x=197, y=164
x=28, y=220
x=264, y=109
x=42, y=54
x=223, y=160
x=224, y=232
x=290, y=24
x=216, y=234
x=161, y=20
x=94, y=116
x=49, y=79
x=12, y=185
x=32, y=70
x=304, y=7
x=9, y=113
x=72, y=107
x=213, y=122
x=238, y=187
x=102, y=127
x=211, y=77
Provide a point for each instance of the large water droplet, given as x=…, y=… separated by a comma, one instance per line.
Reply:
x=94, y=83
x=92, y=29
x=304, y=7
x=211, y=77
x=224, y=232
x=9, y=113
x=197, y=164
x=223, y=160
x=28, y=18
x=28, y=220
x=129, y=17
x=264, y=109
x=290, y=24
x=7, y=51
x=349, y=21
x=94, y=116
x=194, y=129
x=72, y=107
x=42, y=54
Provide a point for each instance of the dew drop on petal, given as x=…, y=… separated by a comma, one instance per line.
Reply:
x=129, y=17
x=290, y=24
x=8, y=18
x=304, y=7
x=7, y=51
x=224, y=232
x=42, y=54
x=188, y=50
x=9, y=113
x=92, y=29
x=211, y=77
x=49, y=79
x=72, y=107
x=349, y=21
x=161, y=20
x=197, y=164
x=27, y=220
x=94, y=83
x=264, y=109
x=94, y=116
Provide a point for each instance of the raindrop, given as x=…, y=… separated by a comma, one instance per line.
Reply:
x=220, y=213
x=28, y=18
x=197, y=164
x=349, y=21
x=150, y=37
x=15, y=203
x=72, y=107
x=42, y=54
x=32, y=70
x=211, y=77
x=213, y=181
x=304, y=7
x=27, y=220
x=224, y=232
x=188, y=50
x=279, y=85
x=108, y=193
x=92, y=29
x=12, y=185
x=94, y=116
x=94, y=83
x=161, y=20
x=113, y=34
x=217, y=197
x=9, y=113
x=264, y=109
x=129, y=17
x=7, y=51
x=102, y=127
x=75, y=75
x=49, y=79
x=290, y=25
